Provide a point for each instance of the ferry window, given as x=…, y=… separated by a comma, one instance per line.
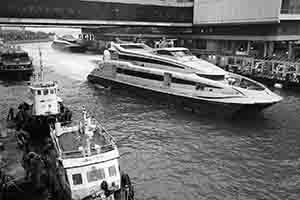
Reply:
x=135, y=46
x=45, y=92
x=164, y=52
x=101, y=173
x=95, y=174
x=112, y=171
x=39, y=92
x=51, y=91
x=77, y=179
x=181, y=53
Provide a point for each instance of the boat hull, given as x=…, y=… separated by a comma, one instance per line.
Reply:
x=196, y=105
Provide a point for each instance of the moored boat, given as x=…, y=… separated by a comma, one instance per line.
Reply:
x=68, y=43
x=177, y=75
x=15, y=63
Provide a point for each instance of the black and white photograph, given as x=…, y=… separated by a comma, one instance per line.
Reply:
x=150, y=100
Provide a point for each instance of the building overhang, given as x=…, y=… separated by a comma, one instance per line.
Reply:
x=247, y=37
x=86, y=23
x=152, y=2
x=238, y=22
x=289, y=17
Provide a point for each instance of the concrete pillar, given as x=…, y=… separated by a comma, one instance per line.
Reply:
x=212, y=45
x=233, y=46
x=248, y=47
x=271, y=48
x=265, y=49
x=290, y=50
x=181, y=42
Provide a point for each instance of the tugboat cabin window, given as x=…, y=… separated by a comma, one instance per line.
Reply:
x=95, y=174
x=77, y=179
x=112, y=171
x=46, y=92
x=39, y=92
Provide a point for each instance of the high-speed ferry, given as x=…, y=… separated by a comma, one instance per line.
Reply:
x=68, y=43
x=175, y=73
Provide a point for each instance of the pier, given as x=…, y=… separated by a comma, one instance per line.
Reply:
x=270, y=70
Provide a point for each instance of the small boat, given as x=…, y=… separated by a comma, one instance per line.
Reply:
x=68, y=43
x=177, y=75
x=15, y=63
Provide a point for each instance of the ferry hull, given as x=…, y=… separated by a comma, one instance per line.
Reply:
x=215, y=109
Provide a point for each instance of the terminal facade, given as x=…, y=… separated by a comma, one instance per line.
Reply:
x=259, y=28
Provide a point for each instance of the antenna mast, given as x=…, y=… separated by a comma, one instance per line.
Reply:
x=41, y=66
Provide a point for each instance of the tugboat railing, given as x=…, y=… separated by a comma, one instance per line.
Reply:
x=79, y=154
x=104, y=132
x=103, y=148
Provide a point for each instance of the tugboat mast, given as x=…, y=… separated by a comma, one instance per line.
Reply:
x=41, y=76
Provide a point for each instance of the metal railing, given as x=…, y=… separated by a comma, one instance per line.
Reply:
x=283, y=70
x=290, y=11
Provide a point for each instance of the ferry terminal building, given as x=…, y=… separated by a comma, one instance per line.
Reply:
x=258, y=28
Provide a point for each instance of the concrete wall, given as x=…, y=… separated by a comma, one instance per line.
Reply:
x=236, y=11
x=212, y=45
x=290, y=7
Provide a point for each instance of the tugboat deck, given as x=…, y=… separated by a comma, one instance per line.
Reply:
x=72, y=141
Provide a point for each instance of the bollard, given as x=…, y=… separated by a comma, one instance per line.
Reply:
x=1, y=146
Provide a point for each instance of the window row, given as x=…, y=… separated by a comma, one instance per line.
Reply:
x=44, y=91
x=94, y=175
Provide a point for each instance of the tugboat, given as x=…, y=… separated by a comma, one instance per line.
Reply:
x=90, y=158
x=63, y=160
x=15, y=63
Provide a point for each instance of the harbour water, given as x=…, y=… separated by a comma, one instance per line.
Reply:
x=174, y=154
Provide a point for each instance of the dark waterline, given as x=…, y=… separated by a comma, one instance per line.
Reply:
x=175, y=154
